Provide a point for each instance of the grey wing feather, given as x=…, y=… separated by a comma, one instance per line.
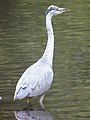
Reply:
x=26, y=80
x=34, y=81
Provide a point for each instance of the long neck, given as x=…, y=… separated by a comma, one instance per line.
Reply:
x=48, y=54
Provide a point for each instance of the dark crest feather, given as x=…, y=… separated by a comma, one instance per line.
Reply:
x=50, y=9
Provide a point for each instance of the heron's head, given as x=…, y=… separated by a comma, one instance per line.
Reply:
x=54, y=10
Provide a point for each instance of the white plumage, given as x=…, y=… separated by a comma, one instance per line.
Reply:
x=37, y=79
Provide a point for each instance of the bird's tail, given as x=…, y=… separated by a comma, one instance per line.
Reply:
x=22, y=93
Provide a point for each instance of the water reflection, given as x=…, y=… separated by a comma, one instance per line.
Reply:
x=33, y=114
x=22, y=42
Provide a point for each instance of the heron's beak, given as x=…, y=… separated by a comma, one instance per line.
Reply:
x=63, y=9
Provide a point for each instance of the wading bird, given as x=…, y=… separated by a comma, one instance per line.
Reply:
x=37, y=78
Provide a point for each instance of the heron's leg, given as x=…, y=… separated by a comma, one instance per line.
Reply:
x=29, y=100
x=41, y=98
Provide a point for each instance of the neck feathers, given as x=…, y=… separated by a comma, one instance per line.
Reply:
x=48, y=54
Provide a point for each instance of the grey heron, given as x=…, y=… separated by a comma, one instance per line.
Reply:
x=37, y=78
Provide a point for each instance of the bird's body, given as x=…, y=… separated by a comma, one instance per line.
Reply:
x=37, y=82
x=37, y=79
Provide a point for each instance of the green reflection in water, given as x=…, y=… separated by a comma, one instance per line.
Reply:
x=22, y=42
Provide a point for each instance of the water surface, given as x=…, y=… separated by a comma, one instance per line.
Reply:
x=22, y=42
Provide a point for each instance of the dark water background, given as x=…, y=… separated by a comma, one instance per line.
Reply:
x=22, y=42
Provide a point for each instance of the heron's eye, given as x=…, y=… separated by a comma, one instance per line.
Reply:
x=57, y=9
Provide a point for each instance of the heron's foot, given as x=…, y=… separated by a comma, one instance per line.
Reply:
x=42, y=106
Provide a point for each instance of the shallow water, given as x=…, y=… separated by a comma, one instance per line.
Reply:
x=22, y=42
